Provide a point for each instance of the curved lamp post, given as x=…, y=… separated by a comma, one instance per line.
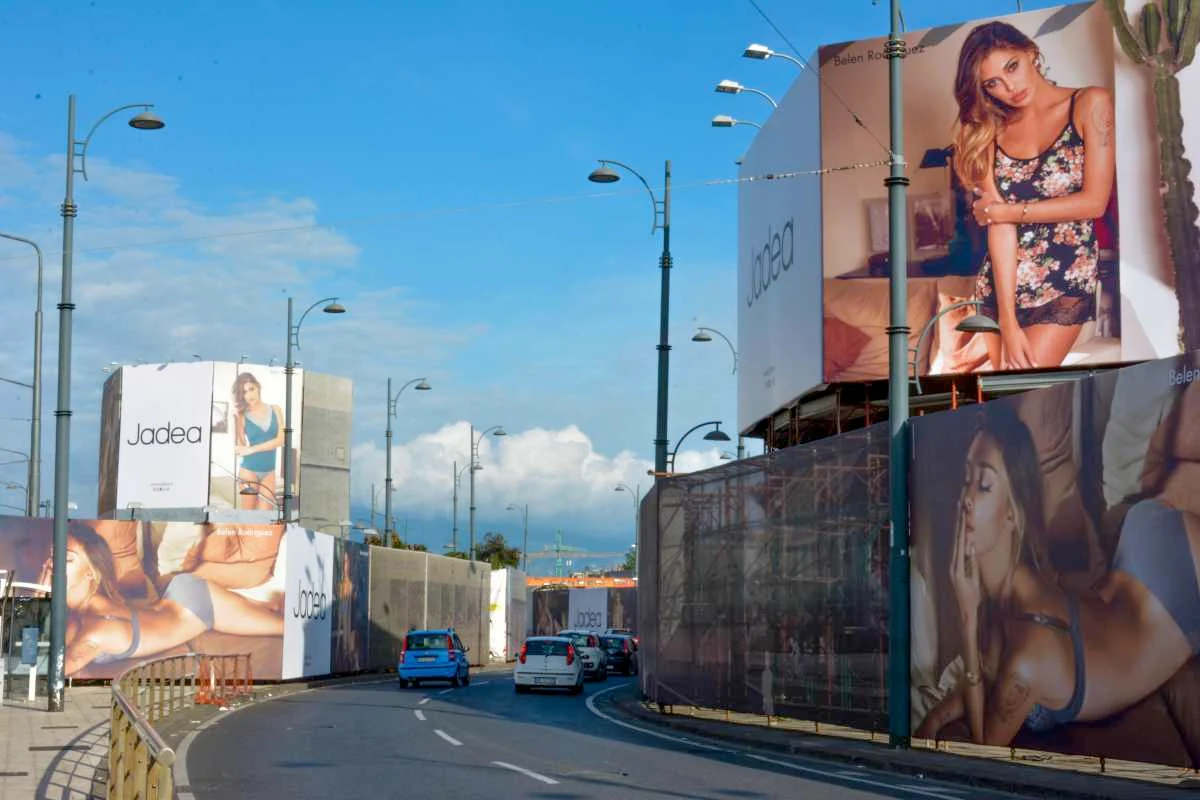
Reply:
x=421, y=386
x=976, y=323
x=637, y=528
x=716, y=435
x=332, y=306
x=703, y=334
x=76, y=163
x=524, y=533
x=733, y=87
x=35, y=424
x=454, y=501
x=496, y=430
x=726, y=121
x=761, y=52
x=662, y=210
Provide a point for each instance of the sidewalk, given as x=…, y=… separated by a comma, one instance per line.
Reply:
x=1062, y=778
x=60, y=755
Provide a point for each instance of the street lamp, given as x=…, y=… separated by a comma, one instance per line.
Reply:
x=716, y=435
x=421, y=386
x=704, y=334
x=524, y=533
x=733, y=87
x=495, y=430
x=976, y=323
x=76, y=163
x=761, y=52
x=332, y=306
x=454, y=501
x=35, y=424
x=637, y=527
x=661, y=210
x=726, y=121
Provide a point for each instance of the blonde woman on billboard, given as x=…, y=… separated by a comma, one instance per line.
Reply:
x=102, y=627
x=259, y=435
x=1038, y=655
x=1041, y=159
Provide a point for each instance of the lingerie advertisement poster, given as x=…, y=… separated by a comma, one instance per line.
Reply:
x=1055, y=589
x=1020, y=133
x=308, y=612
x=141, y=590
x=248, y=416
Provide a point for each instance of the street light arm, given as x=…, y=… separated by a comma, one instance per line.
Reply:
x=653, y=200
x=79, y=149
x=296, y=328
x=916, y=351
x=690, y=430
x=475, y=444
x=396, y=398
x=762, y=94
x=732, y=349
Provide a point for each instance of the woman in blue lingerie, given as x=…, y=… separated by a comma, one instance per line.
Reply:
x=103, y=628
x=1037, y=655
x=259, y=435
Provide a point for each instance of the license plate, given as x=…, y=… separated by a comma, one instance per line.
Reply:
x=425, y=659
x=544, y=681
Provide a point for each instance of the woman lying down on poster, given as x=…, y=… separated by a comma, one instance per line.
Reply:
x=102, y=627
x=1041, y=656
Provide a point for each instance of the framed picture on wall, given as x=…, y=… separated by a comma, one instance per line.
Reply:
x=930, y=226
x=877, y=224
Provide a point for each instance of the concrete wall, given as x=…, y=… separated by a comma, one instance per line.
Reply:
x=327, y=410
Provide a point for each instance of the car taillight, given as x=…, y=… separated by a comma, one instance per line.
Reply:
x=450, y=648
x=524, y=650
x=624, y=645
x=403, y=649
x=570, y=654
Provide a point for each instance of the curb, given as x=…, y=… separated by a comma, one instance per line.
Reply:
x=922, y=764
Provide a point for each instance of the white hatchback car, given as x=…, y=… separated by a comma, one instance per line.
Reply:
x=587, y=645
x=548, y=662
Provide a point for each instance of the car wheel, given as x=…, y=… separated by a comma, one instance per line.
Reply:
x=578, y=688
x=519, y=689
x=604, y=673
x=467, y=678
x=403, y=683
x=455, y=682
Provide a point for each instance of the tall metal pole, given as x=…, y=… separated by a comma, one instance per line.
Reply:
x=454, y=511
x=387, y=481
x=664, y=347
x=898, y=601
x=471, y=513
x=525, y=540
x=373, y=496
x=288, y=369
x=34, y=480
x=62, y=435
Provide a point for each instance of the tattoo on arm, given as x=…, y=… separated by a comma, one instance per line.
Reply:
x=1013, y=695
x=1102, y=121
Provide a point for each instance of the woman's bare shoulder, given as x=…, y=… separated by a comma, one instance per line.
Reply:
x=1092, y=98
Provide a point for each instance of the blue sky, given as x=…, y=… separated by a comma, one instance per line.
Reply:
x=427, y=163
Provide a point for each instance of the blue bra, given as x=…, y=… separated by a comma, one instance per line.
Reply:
x=1043, y=719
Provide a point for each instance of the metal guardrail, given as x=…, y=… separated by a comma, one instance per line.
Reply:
x=140, y=764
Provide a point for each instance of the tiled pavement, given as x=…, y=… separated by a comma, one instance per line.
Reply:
x=55, y=756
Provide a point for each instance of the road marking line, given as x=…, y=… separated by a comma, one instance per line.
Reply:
x=835, y=774
x=482, y=683
x=420, y=714
x=536, y=776
x=447, y=737
x=445, y=691
x=423, y=701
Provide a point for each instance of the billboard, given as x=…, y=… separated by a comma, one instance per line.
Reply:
x=307, y=618
x=164, y=435
x=1055, y=543
x=779, y=260
x=139, y=590
x=1011, y=128
x=247, y=417
x=351, y=623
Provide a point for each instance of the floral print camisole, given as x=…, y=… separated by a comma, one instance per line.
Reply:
x=1056, y=261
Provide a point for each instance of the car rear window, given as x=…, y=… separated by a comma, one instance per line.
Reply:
x=580, y=639
x=545, y=647
x=427, y=641
x=612, y=642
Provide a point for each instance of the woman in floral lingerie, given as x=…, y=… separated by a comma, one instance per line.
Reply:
x=1040, y=159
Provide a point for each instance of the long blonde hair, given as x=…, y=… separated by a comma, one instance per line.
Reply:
x=981, y=117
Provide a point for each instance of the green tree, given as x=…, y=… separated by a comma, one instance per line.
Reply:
x=420, y=548
x=456, y=554
x=495, y=551
x=630, y=559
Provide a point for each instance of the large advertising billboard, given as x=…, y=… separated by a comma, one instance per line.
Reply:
x=1011, y=129
x=164, y=435
x=248, y=413
x=308, y=617
x=139, y=590
x=351, y=604
x=1055, y=590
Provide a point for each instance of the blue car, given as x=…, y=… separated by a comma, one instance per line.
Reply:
x=433, y=655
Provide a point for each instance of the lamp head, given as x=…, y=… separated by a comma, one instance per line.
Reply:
x=422, y=386
x=147, y=121
x=978, y=323
x=723, y=121
x=728, y=87
x=701, y=336
x=499, y=432
x=757, y=51
x=725, y=456
x=717, y=435
x=603, y=174
x=334, y=308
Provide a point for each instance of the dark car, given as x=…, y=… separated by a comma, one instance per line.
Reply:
x=622, y=653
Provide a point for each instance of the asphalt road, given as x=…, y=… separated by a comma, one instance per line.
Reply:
x=483, y=741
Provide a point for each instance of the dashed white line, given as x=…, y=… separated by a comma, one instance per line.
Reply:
x=423, y=701
x=445, y=691
x=528, y=772
x=420, y=714
x=447, y=737
x=482, y=683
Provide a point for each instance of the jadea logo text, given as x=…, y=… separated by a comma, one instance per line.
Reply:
x=166, y=434
x=771, y=260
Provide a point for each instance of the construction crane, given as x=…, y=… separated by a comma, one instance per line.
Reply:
x=560, y=552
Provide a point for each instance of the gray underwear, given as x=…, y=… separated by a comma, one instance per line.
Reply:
x=192, y=592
